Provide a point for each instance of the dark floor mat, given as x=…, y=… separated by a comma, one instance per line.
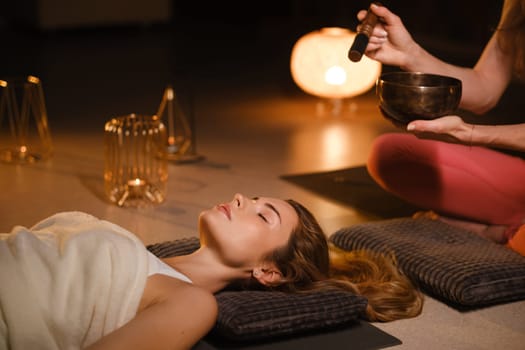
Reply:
x=361, y=335
x=354, y=187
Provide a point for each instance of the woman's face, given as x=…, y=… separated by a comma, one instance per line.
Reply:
x=244, y=230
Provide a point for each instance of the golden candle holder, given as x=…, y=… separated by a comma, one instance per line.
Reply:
x=136, y=170
x=24, y=129
x=180, y=147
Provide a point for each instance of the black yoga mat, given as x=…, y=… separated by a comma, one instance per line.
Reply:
x=354, y=187
x=359, y=335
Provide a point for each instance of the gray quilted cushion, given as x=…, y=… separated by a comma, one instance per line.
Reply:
x=450, y=263
x=254, y=315
x=257, y=315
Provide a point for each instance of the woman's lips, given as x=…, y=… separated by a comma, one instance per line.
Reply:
x=225, y=208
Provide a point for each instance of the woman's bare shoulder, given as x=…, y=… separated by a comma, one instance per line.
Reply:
x=184, y=312
x=185, y=300
x=173, y=314
x=161, y=288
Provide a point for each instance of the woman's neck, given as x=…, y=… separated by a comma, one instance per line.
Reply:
x=205, y=270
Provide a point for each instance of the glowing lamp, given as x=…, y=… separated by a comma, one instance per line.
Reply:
x=320, y=66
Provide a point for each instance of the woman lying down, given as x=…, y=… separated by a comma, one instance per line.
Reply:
x=73, y=281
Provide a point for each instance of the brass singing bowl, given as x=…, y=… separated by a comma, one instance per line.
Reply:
x=407, y=96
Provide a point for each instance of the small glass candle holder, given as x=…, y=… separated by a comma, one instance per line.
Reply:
x=136, y=169
x=24, y=129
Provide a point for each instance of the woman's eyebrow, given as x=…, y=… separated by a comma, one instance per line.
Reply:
x=269, y=205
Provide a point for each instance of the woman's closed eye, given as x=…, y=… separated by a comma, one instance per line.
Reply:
x=268, y=213
x=263, y=217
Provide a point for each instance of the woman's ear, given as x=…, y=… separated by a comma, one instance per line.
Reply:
x=268, y=275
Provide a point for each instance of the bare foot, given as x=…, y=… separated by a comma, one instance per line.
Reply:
x=494, y=233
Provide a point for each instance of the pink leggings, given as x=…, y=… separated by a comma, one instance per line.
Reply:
x=472, y=183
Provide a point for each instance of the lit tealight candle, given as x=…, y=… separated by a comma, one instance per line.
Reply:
x=136, y=183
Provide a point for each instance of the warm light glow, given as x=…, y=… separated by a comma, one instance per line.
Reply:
x=334, y=144
x=320, y=66
x=335, y=75
x=169, y=93
x=136, y=182
x=33, y=79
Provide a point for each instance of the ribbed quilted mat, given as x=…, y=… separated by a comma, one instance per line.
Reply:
x=449, y=263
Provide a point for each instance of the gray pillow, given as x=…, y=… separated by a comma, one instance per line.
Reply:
x=452, y=264
x=256, y=315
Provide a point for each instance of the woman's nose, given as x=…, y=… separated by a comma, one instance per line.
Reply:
x=238, y=200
